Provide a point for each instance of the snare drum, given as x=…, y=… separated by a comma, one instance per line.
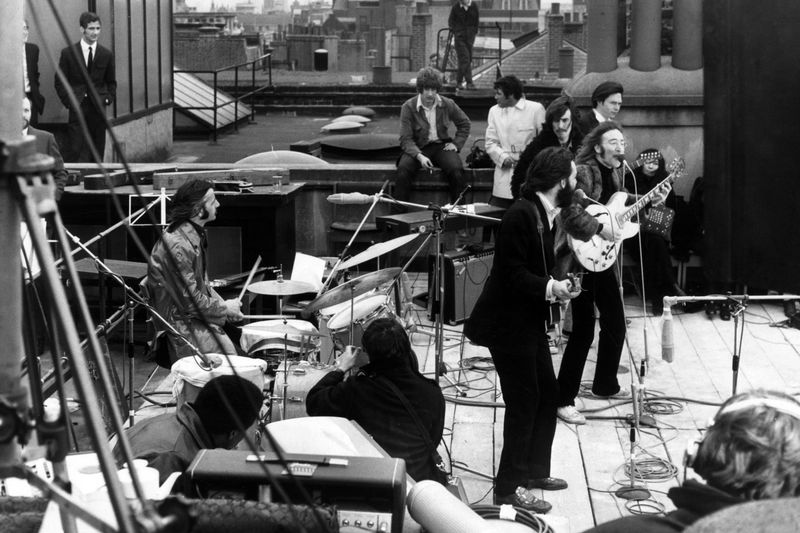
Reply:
x=190, y=378
x=262, y=336
x=363, y=314
x=299, y=379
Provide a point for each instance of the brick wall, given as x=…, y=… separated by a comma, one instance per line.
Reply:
x=206, y=53
x=420, y=26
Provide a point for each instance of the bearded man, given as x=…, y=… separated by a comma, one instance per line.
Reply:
x=511, y=318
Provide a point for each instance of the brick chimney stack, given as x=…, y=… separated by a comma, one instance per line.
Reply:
x=555, y=31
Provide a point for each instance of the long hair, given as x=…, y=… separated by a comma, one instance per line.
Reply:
x=387, y=344
x=550, y=166
x=244, y=398
x=556, y=110
x=187, y=200
x=752, y=450
x=594, y=138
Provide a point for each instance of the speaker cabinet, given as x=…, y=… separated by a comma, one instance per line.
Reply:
x=464, y=276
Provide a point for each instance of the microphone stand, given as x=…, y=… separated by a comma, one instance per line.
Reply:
x=741, y=301
x=633, y=491
x=376, y=198
x=439, y=215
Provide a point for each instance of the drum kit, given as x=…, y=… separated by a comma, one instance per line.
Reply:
x=292, y=348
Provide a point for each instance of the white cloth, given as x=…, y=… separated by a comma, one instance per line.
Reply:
x=430, y=114
x=552, y=213
x=508, y=132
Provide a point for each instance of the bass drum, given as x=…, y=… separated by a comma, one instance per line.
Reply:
x=291, y=387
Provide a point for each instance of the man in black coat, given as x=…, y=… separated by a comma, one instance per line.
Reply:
x=372, y=397
x=99, y=63
x=511, y=318
x=31, y=77
x=463, y=22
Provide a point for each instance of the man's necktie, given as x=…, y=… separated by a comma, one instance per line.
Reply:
x=89, y=61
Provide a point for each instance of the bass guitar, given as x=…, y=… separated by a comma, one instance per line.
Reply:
x=598, y=254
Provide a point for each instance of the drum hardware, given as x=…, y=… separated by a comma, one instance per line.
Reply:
x=438, y=215
x=280, y=287
x=377, y=250
x=350, y=289
x=375, y=199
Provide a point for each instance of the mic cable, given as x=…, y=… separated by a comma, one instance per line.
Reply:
x=520, y=515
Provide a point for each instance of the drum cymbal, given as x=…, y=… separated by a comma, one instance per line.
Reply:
x=284, y=287
x=351, y=289
x=377, y=250
x=285, y=329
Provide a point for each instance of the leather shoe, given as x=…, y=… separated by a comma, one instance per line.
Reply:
x=524, y=499
x=547, y=483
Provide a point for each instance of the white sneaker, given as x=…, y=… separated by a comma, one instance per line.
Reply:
x=571, y=415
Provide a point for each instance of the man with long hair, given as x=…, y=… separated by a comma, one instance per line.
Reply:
x=750, y=452
x=599, y=176
x=382, y=396
x=559, y=129
x=425, y=122
x=511, y=318
x=177, y=279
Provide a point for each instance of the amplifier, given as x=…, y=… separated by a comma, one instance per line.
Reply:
x=368, y=492
x=464, y=276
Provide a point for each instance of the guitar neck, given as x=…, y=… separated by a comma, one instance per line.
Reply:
x=643, y=201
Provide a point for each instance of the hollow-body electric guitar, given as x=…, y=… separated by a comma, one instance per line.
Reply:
x=598, y=254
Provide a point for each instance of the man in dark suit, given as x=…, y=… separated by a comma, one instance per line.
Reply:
x=463, y=22
x=45, y=144
x=99, y=62
x=606, y=103
x=511, y=318
x=30, y=77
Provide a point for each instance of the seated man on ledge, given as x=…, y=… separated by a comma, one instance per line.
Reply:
x=750, y=452
x=425, y=121
x=382, y=394
x=170, y=441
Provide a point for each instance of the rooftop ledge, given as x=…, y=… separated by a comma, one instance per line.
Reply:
x=667, y=86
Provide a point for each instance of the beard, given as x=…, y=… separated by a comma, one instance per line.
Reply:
x=564, y=196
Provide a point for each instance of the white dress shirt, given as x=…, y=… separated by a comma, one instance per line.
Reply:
x=508, y=132
x=430, y=114
x=85, y=49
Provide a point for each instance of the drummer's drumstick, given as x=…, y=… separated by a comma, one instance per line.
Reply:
x=249, y=279
x=264, y=317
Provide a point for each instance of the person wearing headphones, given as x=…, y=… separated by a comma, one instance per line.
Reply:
x=751, y=451
x=177, y=280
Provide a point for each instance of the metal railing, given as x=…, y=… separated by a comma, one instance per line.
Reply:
x=444, y=64
x=266, y=64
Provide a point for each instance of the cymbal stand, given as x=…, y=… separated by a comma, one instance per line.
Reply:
x=439, y=215
x=376, y=198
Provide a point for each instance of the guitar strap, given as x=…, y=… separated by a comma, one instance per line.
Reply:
x=555, y=308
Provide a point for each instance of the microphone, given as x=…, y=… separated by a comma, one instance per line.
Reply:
x=433, y=507
x=667, y=340
x=351, y=198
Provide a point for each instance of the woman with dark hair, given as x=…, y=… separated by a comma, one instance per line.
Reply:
x=379, y=395
x=659, y=278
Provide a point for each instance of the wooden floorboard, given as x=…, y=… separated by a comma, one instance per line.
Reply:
x=592, y=458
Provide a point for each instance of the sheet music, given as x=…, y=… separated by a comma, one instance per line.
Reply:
x=308, y=269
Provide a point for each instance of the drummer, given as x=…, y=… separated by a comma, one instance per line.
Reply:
x=372, y=398
x=177, y=280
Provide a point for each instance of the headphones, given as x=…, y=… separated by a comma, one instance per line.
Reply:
x=783, y=405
